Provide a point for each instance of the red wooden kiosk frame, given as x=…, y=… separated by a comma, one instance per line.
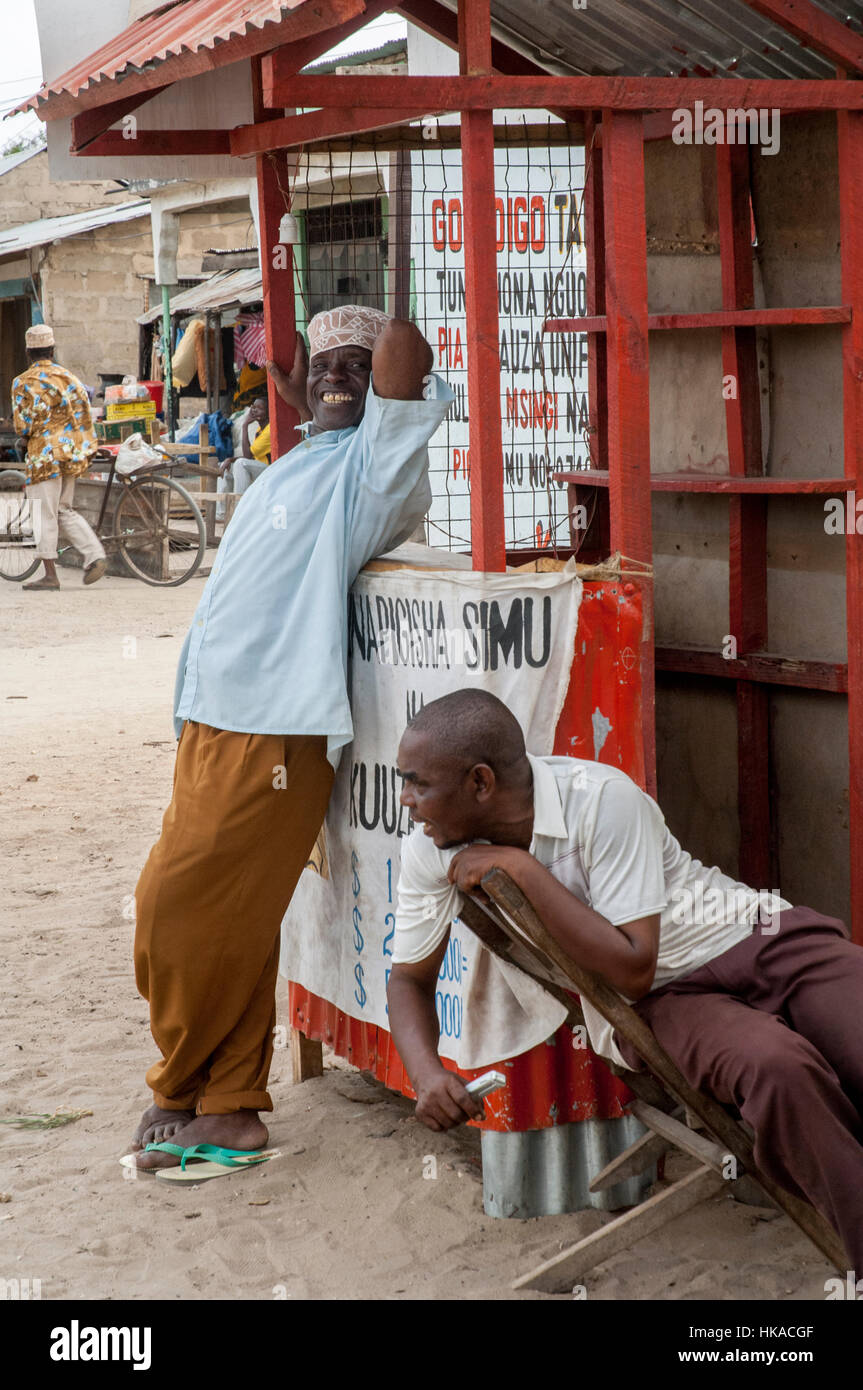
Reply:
x=615, y=115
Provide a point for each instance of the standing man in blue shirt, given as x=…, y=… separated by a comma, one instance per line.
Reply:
x=261, y=711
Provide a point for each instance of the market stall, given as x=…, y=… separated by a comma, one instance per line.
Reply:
x=704, y=303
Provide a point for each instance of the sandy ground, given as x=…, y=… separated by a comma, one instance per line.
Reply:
x=85, y=773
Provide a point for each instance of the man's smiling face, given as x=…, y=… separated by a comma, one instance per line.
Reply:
x=337, y=385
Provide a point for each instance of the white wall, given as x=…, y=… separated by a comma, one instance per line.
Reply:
x=63, y=42
x=219, y=99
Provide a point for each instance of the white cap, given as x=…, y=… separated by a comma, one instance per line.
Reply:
x=39, y=336
x=350, y=325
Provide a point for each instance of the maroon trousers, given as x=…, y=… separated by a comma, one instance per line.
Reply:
x=773, y=1027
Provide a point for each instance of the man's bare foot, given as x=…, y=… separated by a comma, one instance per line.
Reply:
x=241, y=1129
x=158, y=1124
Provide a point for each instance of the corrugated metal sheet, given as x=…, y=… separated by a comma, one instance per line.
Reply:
x=545, y=1172
x=187, y=27
x=72, y=224
x=11, y=161
x=221, y=289
x=669, y=38
x=663, y=38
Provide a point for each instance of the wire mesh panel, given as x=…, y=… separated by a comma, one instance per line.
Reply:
x=372, y=221
x=543, y=379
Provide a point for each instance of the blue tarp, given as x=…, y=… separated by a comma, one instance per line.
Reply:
x=219, y=436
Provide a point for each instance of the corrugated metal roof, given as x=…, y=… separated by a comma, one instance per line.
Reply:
x=11, y=161
x=224, y=288
x=708, y=38
x=393, y=48
x=664, y=38
x=47, y=229
x=190, y=26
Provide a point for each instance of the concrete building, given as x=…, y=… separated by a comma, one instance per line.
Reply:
x=84, y=262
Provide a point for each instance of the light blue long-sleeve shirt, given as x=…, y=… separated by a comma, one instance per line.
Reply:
x=266, y=651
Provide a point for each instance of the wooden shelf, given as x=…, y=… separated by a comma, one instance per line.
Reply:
x=717, y=483
x=721, y=318
x=760, y=667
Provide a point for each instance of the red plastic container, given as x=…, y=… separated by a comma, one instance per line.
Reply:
x=157, y=391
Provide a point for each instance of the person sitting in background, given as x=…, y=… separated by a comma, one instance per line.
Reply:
x=240, y=472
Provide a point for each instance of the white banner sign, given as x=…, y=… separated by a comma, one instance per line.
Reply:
x=415, y=636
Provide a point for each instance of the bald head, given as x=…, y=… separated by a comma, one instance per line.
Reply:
x=471, y=726
x=465, y=769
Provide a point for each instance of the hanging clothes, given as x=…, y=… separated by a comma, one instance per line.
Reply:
x=250, y=343
x=188, y=355
x=251, y=384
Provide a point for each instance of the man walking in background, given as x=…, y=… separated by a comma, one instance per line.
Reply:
x=51, y=413
x=253, y=457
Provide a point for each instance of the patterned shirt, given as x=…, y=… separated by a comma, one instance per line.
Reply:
x=50, y=406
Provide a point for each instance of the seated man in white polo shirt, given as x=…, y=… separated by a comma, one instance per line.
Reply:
x=757, y=1002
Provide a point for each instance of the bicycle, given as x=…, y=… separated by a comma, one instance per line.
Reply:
x=157, y=527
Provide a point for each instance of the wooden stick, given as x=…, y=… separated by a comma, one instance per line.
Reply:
x=307, y=1057
x=640, y=1155
x=569, y=1266
x=627, y=1023
x=679, y=1136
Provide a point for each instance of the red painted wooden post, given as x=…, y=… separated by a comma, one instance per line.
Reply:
x=483, y=357
x=597, y=357
x=483, y=92
x=850, y=132
x=597, y=362
x=628, y=379
x=292, y=55
x=329, y=123
x=148, y=143
x=277, y=266
x=716, y=318
x=747, y=523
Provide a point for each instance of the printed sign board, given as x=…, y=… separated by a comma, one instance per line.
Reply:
x=416, y=635
x=543, y=377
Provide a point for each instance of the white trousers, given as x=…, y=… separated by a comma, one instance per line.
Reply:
x=241, y=474
x=51, y=504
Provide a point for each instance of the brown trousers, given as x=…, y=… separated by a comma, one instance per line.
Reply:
x=773, y=1027
x=209, y=906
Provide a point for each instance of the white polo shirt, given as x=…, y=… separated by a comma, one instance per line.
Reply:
x=605, y=840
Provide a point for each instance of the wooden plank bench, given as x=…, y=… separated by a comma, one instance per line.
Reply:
x=666, y=1104
x=195, y=485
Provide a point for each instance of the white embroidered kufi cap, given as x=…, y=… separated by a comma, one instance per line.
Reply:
x=351, y=325
x=39, y=335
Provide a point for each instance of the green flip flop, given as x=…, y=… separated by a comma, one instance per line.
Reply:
x=207, y=1161
x=231, y=1158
